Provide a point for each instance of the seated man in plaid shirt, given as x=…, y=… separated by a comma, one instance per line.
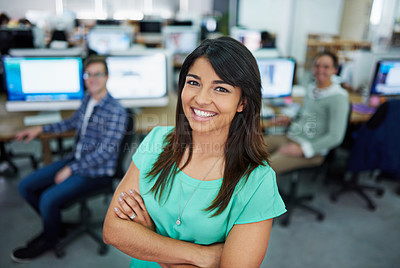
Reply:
x=100, y=124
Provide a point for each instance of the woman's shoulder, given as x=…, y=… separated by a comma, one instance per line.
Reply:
x=151, y=147
x=155, y=139
x=258, y=198
x=261, y=176
x=160, y=131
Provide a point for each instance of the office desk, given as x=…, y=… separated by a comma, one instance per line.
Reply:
x=13, y=122
x=145, y=120
x=355, y=117
x=149, y=117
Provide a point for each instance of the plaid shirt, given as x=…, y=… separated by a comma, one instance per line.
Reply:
x=104, y=132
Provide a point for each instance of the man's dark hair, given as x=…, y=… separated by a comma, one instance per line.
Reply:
x=331, y=55
x=96, y=59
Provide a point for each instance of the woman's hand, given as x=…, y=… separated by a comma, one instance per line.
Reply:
x=132, y=208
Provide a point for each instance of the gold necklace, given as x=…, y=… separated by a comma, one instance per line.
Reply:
x=178, y=221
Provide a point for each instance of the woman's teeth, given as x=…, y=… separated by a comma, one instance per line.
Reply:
x=203, y=113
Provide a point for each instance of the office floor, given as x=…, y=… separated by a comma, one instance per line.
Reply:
x=349, y=237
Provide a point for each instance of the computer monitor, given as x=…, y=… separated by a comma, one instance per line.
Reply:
x=107, y=38
x=150, y=26
x=208, y=26
x=364, y=63
x=277, y=76
x=15, y=38
x=180, y=22
x=181, y=39
x=43, y=83
x=139, y=78
x=47, y=52
x=248, y=37
x=386, y=80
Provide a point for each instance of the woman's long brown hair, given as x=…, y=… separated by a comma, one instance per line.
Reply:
x=244, y=148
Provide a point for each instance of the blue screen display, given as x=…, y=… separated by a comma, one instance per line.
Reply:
x=387, y=78
x=43, y=78
x=277, y=76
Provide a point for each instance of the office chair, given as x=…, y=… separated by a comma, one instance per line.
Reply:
x=85, y=224
x=7, y=157
x=376, y=147
x=293, y=200
x=354, y=185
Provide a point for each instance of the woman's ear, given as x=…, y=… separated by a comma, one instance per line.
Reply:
x=242, y=105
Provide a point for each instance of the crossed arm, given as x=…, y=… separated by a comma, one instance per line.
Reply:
x=245, y=246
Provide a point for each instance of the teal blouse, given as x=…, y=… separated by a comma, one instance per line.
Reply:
x=255, y=200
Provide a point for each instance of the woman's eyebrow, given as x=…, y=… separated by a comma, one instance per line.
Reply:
x=214, y=82
x=194, y=76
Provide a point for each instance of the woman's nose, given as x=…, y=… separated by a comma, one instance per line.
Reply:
x=203, y=96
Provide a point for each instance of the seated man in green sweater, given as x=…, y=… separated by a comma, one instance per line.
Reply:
x=320, y=125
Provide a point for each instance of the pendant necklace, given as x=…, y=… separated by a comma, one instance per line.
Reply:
x=178, y=221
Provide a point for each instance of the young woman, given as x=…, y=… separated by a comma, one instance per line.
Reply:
x=201, y=193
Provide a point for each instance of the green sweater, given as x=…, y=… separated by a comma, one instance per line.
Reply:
x=321, y=123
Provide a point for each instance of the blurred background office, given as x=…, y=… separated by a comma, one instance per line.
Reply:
x=145, y=42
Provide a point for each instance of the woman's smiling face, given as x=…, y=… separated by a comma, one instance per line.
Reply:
x=209, y=103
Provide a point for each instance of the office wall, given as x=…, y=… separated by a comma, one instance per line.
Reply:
x=355, y=19
x=271, y=15
x=18, y=8
x=292, y=21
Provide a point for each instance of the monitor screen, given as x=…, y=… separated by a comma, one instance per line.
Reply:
x=181, y=22
x=181, y=39
x=15, y=38
x=386, y=80
x=43, y=83
x=104, y=39
x=139, y=79
x=248, y=37
x=147, y=26
x=277, y=76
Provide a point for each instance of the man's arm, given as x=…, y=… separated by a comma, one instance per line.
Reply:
x=112, y=133
x=29, y=134
x=66, y=124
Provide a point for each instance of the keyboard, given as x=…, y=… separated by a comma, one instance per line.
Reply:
x=362, y=108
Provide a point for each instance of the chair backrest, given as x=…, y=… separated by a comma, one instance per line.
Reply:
x=377, y=144
x=348, y=136
x=125, y=145
x=336, y=165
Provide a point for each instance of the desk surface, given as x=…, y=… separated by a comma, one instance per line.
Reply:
x=355, y=118
x=145, y=120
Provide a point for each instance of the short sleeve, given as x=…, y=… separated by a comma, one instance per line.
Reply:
x=264, y=202
x=150, y=147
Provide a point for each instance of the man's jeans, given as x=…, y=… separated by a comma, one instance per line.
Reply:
x=47, y=198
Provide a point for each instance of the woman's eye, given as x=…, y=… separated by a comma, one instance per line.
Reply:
x=192, y=83
x=221, y=89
